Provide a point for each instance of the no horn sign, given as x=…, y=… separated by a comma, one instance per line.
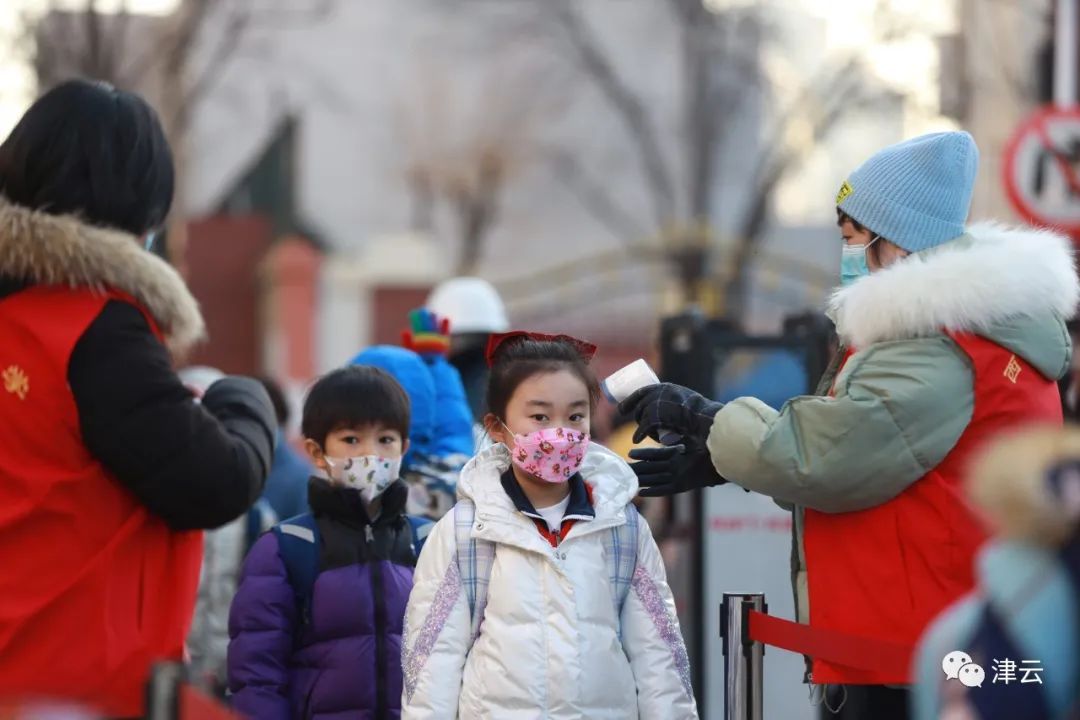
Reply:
x=1042, y=168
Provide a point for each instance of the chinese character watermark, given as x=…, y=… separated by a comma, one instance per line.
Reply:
x=1004, y=671
x=958, y=665
x=1031, y=674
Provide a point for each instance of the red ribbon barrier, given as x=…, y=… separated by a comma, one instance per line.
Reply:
x=851, y=651
x=196, y=705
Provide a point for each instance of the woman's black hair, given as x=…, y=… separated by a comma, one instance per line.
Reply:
x=88, y=149
x=842, y=217
x=516, y=361
x=354, y=397
x=875, y=248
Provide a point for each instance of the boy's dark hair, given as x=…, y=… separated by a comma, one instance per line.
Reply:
x=355, y=396
x=518, y=360
x=88, y=149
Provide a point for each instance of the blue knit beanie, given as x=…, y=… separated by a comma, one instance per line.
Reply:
x=915, y=194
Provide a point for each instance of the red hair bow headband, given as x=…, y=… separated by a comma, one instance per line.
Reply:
x=499, y=340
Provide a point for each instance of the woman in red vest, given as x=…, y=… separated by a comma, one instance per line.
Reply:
x=108, y=468
x=950, y=333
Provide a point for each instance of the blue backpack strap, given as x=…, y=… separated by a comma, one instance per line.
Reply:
x=298, y=545
x=421, y=528
x=621, y=557
x=474, y=560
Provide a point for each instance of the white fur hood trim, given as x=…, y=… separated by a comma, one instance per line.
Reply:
x=990, y=274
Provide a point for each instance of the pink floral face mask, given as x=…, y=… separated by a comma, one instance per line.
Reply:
x=552, y=454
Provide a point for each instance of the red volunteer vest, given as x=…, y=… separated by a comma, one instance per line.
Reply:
x=94, y=588
x=886, y=572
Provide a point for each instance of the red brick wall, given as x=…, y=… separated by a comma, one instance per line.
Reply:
x=222, y=257
x=390, y=308
x=292, y=274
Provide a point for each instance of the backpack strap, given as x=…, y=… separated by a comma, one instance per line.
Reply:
x=621, y=557
x=421, y=528
x=260, y=518
x=298, y=545
x=474, y=559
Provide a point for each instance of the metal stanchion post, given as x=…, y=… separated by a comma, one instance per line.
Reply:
x=743, y=658
x=162, y=699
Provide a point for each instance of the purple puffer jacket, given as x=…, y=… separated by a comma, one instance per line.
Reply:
x=346, y=662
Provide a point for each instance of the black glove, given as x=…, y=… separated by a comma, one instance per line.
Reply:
x=671, y=407
x=672, y=470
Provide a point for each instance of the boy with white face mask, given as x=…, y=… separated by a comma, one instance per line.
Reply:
x=316, y=625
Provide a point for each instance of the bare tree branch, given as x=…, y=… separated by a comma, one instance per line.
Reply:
x=236, y=27
x=468, y=139
x=92, y=28
x=843, y=90
x=595, y=198
x=627, y=105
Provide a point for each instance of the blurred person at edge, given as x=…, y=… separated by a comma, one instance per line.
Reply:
x=475, y=311
x=108, y=467
x=1070, y=388
x=287, y=485
x=1026, y=607
x=951, y=333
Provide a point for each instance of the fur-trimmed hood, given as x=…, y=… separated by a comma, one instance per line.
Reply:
x=48, y=249
x=988, y=282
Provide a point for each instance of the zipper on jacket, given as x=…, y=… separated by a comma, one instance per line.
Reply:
x=308, y=712
x=376, y=578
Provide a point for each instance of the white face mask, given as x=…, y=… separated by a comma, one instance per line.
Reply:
x=370, y=474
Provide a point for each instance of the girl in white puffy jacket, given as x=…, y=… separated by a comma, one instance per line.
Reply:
x=543, y=595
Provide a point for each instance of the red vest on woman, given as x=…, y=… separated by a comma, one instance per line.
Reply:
x=93, y=588
x=886, y=572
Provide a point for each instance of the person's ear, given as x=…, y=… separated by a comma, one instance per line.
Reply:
x=495, y=429
x=404, y=446
x=315, y=452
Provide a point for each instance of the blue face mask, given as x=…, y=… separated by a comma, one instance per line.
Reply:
x=148, y=240
x=853, y=262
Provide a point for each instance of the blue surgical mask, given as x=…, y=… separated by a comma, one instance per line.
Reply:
x=148, y=240
x=853, y=262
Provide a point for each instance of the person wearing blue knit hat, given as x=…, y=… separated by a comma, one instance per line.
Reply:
x=950, y=332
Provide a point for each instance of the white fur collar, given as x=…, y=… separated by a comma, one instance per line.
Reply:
x=988, y=275
x=62, y=250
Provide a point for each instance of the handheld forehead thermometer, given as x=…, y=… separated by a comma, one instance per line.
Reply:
x=624, y=382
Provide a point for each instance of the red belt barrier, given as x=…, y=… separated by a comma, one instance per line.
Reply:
x=848, y=650
x=196, y=705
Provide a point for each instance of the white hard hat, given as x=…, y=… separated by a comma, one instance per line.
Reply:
x=471, y=303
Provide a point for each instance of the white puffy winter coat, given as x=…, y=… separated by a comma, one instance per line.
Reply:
x=549, y=644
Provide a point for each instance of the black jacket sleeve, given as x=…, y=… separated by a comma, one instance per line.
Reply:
x=195, y=466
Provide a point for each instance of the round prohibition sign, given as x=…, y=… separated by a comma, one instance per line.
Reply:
x=1042, y=168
